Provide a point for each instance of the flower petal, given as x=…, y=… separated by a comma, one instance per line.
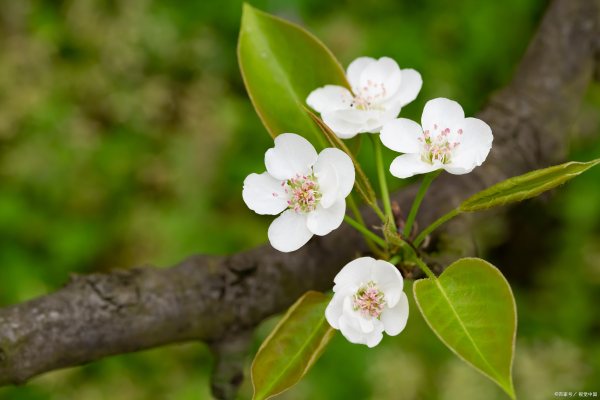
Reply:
x=374, y=338
x=441, y=113
x=329, y=98
x=328, y=180
x=288, y=232
x=381, y=78
x=402, y=135
x=409, y=87
x=291, y=155
x=338, y=122
x=324, y=220
x=378, y=118
x=353, y=274
x=388, y=279
x=351, y=327
x=475, y=145
x=334, y=310
x=355, y=70
x=407, y=165
x=394, y=319
x=342, y=164
x=264, y=194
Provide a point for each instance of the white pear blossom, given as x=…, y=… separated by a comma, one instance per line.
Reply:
x=445, y=140
x=368, y=300
x=379, y=90
x=310, y=189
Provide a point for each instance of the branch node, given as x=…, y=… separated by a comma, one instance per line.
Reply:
x=230, y=357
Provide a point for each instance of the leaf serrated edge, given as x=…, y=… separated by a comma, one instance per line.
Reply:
x=511, y=393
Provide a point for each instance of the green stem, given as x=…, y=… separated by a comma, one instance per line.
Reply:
x=434, y=225
x=363, y=229
x=394, y=260
x=359, y=218
x=427, y=179
x=424, y=268
x=378, y=211
x=385, y=195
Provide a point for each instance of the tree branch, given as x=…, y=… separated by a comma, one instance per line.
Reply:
x=216, y=298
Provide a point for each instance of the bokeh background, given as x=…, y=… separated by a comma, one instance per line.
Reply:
x=126, y=133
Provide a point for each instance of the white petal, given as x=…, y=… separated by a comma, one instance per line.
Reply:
x=409, y=87
x=288, y=232
x=351, y=330
x=402, y=135
x=384, y=71
x=377, y=118
x=388, y=279
x=352, y=324
x=374, y=338
x=475, y=145
x=441, y=113
x=264, y=194
x=291, y=155
x=329, y=98
x=324, y=220
x=334, y=309
x=407, y=165
x=355, y=70
x=342, y=164
x=338, y=122
x=328, y=180
x=353, y=274
x=394, y=319
x=366, y=325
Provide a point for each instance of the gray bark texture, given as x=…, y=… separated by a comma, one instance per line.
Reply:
x=220, y=300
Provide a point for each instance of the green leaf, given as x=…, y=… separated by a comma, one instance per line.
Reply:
x=471, y=308
x=281, y=63
x=525, y=186
x=293, y=347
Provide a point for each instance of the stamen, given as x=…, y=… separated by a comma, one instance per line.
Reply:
x=305, y=193
x=368, y=96
x=369, y=300
x=439, y=148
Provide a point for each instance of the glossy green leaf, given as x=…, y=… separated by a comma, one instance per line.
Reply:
x=293, y=347
x=471, y=308
x=525, y=186
x=281, y=63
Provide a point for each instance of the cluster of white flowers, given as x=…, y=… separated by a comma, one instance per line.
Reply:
x=309, y=189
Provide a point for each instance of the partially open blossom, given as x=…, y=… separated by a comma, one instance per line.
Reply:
x=368, y=300
x=445, y=140
x=379, y=90
x=310, y=189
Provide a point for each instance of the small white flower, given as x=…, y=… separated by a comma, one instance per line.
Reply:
x=379, y=90
x=311, y=189
x=368, y=300
x=447, y=140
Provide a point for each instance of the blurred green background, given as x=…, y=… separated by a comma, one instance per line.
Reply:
x=126, y=133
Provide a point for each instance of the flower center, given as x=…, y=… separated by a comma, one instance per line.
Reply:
x=304, y=193
x=439, y=147
x=369, y=300
x=367, y=96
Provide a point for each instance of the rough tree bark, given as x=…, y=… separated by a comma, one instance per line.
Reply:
x=220, y=299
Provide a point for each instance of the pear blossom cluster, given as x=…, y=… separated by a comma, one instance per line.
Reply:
x=308, y=190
